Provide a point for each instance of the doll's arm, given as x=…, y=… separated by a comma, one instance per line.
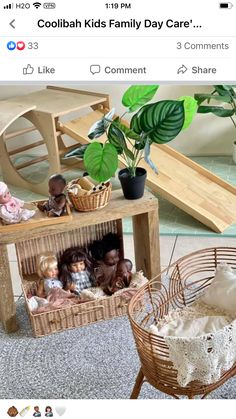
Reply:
x=70, y=286
x=61, y=201
x=40, y=289
x=42, y=206
x=19, y=201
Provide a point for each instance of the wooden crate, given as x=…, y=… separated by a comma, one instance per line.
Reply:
x=78, y=315
x=38, y=220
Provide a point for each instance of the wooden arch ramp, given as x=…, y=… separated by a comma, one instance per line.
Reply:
x=10, y=111
x=186, y=184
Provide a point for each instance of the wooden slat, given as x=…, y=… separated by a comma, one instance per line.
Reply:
x=14, y=134
x=26, y=147
x=29, y=163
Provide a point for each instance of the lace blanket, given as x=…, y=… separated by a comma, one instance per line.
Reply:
x=203, y=358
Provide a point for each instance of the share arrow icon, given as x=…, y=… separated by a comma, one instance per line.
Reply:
x=182, y=69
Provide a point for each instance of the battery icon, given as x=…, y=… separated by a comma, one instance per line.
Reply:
x=226, y=5
x=49, y=5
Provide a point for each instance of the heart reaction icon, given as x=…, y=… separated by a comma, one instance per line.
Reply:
x=60, y=410
x=20, y=45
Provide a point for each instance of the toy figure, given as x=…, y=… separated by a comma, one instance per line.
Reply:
x=11, y=208
x=56, y=204
x=105, y=253
x=48, y=412
x=48, y=273
x=122, y=277
x=37, y=413
x=75, y=270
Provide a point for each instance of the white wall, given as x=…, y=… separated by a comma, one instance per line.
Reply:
x=208, y=134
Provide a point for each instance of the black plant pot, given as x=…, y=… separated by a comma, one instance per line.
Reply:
x=133, y=187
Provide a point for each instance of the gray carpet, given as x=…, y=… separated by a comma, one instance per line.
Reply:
x=93, y=362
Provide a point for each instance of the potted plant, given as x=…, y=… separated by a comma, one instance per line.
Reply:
x=157, y=122
x=224, y=94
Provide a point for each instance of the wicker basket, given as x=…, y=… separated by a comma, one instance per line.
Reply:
x=72, y=316
x=90, y=202
x=77, y=315
x=189, y=276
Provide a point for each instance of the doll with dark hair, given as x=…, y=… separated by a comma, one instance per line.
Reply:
x=56, y=204
x=75, y=270
x=105, y=253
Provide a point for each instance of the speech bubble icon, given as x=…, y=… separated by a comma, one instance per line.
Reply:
x=95, y=69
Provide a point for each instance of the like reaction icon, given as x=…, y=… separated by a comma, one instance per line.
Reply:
x=28, y=70
x=11, y=45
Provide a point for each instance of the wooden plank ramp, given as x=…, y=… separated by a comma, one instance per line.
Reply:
x=181, y=181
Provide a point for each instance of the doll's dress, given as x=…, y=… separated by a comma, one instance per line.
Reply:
x=52, y=205
x=50, y=283
x=81, y=280
x=12, y=212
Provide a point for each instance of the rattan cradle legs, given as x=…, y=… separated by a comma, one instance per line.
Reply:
x=138, y=384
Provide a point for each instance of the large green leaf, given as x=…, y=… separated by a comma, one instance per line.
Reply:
x=190, y=110
x=201, y=97
x=99, y=127
x=216, y=110
x=77, y=152
x=137, y=96
x=116, y=137
x=129, y=133
x=223, y=90
x=101, y=161
x=161, y=121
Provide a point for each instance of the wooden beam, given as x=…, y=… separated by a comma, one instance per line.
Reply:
x=14, y=134
x=26, y=147
x=29, y=163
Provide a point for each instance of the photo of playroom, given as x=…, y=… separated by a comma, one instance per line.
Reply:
x=116, y=200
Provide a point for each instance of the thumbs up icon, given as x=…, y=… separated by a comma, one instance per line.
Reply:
x=28, y=69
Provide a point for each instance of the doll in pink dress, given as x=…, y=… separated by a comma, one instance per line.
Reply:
x=11, y=208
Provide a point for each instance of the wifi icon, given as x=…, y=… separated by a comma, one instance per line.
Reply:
x=37, y=5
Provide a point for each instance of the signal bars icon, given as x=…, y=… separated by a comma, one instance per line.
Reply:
x=37, y=5
x=8, y=6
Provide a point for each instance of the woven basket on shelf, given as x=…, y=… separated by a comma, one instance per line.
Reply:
x=189, y=276
x=95, y=200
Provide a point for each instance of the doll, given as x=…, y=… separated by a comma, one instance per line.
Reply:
x=121, y=278
x=48, y=273
x=75, y=270
x=37, y=413
x=56, y=204
x=48, y=412
x=105, y=253
x=11, y=208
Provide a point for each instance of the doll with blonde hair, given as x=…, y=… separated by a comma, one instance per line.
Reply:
x=47, y=270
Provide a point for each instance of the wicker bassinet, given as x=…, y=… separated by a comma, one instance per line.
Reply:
x=187, y=279
x=77, y=315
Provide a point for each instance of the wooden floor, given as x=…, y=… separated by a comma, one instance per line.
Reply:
x=181, y=181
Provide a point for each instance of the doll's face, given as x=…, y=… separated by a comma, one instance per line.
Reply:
x=51, y=273
x=122, y=269
x=5, y=197
x=77, y=266
x=111, y=258
x=55, y=187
